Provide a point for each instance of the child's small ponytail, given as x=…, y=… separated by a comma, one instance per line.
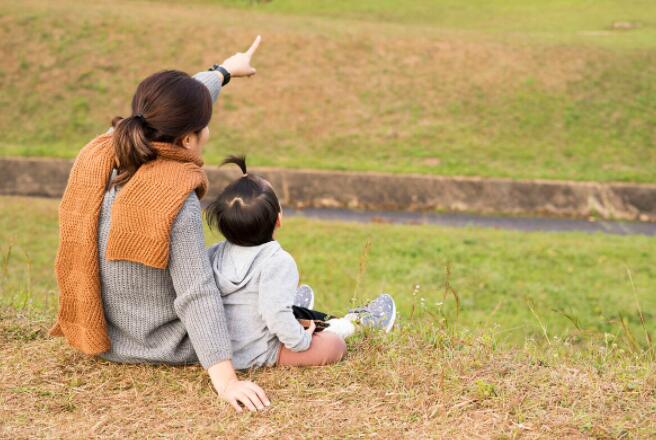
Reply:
x=247, y=210
x=240, y=161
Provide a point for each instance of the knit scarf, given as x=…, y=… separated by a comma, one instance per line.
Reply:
x=141, y=220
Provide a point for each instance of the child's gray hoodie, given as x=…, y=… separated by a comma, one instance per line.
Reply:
x=258, y=285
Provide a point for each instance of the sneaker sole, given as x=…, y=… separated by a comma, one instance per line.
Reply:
x=391, y=323
x=311, y=305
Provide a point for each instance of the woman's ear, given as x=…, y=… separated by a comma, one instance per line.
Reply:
x=279, y=220
x=186, y=141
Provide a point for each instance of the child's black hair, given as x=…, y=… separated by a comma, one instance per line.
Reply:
x=247, y=210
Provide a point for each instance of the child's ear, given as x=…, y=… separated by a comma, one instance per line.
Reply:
x=279, y=220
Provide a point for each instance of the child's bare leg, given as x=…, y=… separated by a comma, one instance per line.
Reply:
x=326, y=348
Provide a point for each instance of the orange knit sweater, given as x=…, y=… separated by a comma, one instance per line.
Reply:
x=140, y=229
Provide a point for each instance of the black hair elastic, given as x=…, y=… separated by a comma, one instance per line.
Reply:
x=140, y=116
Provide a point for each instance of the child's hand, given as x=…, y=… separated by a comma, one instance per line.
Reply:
x=240, y=63
x=311, y=328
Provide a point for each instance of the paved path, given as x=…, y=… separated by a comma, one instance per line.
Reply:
x=462, y=220
x=392, y=192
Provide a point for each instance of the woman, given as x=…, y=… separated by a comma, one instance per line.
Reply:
x=135, y=280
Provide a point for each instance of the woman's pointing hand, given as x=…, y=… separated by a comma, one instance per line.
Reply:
x=239, y=64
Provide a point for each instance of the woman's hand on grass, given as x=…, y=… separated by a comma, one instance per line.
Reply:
x=239, y=64
x=235, y=391
x=246, y=392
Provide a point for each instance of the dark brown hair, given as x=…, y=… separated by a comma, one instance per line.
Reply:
x=166, y=106
x=246, y=211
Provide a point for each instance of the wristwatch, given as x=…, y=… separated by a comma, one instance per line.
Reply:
x=224, y=72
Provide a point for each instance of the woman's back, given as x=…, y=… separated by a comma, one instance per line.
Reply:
x=151, y=313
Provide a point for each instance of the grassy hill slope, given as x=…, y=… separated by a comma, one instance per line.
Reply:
x=517, y=89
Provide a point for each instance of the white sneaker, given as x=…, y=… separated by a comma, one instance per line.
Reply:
x=379, y=313
x=304, y=297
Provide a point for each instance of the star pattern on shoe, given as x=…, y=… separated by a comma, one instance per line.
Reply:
x=304, y=297
x=379, y=313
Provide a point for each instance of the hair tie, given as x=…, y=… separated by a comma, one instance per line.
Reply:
x=140, y=116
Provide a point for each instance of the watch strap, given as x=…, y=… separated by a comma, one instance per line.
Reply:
x=224, y=72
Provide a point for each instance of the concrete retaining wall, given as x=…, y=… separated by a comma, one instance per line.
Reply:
x=377, y=191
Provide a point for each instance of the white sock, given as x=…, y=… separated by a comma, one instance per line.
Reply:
x=343, y=327
x=351, y=316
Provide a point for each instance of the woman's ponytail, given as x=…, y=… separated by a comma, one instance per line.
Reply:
x=167, y=106
x=131, y=146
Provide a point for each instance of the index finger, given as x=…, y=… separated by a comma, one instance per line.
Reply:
x=256, y=43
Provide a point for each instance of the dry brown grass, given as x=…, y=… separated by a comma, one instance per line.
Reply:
x=320, y=56
x=407, y=385
x=333, y=93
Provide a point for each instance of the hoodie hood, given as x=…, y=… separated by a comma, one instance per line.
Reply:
x=235, y=266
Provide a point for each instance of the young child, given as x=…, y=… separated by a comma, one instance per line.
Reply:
x=258, y=281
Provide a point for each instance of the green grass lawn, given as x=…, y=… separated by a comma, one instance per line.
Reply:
x=576, y=283
x=552, y=20
x=536, y=89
